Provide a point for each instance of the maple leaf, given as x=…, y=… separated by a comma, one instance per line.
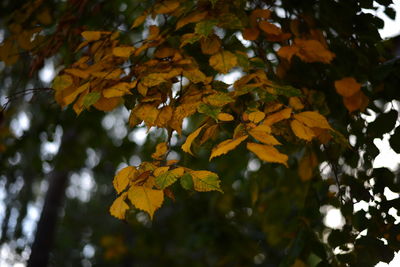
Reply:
x=226, y=146
x=146, y=198
x=268, y=153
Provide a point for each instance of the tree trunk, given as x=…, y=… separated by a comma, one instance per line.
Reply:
x=46, y=227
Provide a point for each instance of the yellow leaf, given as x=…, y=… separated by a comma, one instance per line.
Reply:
x=119, y=89
x=347, y=86
x=191, y=18
x=168, y=178
x=153, y=79
x=189, y=140
x=302, y=131
x=218, y=99
x=256, y=116
x=160, y=170
x=107, y=104
x=210, y=132
x=148, y=113
x=119, y=207
x=91, y=35
x=153, y=32
x=123, y=51
x=62, y=82
x=225, y=117
x=226, y=146
x=312, y=119
x=278, y=116
x=161, y=150
x=164, y=117
x=194, y=75
x=306, y=166
x=108, y=75
x=210, y=45
x=295, y=103
x=146, y=199
x=123, y=177
x=204, y=181
x=165, y=7
x=268, y=153
x=313, y=51
x=69, y=98
x=223, y=61
x=78, y=73
x=139, y=21
x=263, y=137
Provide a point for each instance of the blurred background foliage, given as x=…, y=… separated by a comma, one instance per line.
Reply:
x=267, y=215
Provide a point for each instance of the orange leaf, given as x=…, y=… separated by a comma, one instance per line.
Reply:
x=302, y=131
x=347, y=86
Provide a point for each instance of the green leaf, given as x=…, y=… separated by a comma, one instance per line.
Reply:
x=187, y=181
x=168, y=178
x=209, y=110
x=205, y=28
x=91, y=99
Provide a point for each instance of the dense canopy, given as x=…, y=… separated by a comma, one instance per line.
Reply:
x=209, y=133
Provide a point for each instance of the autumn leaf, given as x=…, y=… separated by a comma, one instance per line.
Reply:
x=312, y=119
x=268, y=153
x=62, y=82
x=223, y=61
x=78, y=73
x=225, y=117
x=153, y=79
x=123, y=51
x=189, y=140
x=123, y=177
x=263, y=136
x=358, y=101
x=226, y=146
x=256, y=116
x=161, y=150
x=205, y=27
x=209, y=133
x=301, y=130
x=91, y=35
x=139, y=21
x=306, y=166
x=210, y=45
x=277, y=116
x=165, y=7
x=347, y=86
x=69, y=98
x=146, y=198
x=191, y=18
x=168, y=178
x=164, y=116
x=204, y=181
x=250, y=34
x=119, y=207
x=119, y=89
x=218, y=99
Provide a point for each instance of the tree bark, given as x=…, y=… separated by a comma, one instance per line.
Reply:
x=46, y=227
